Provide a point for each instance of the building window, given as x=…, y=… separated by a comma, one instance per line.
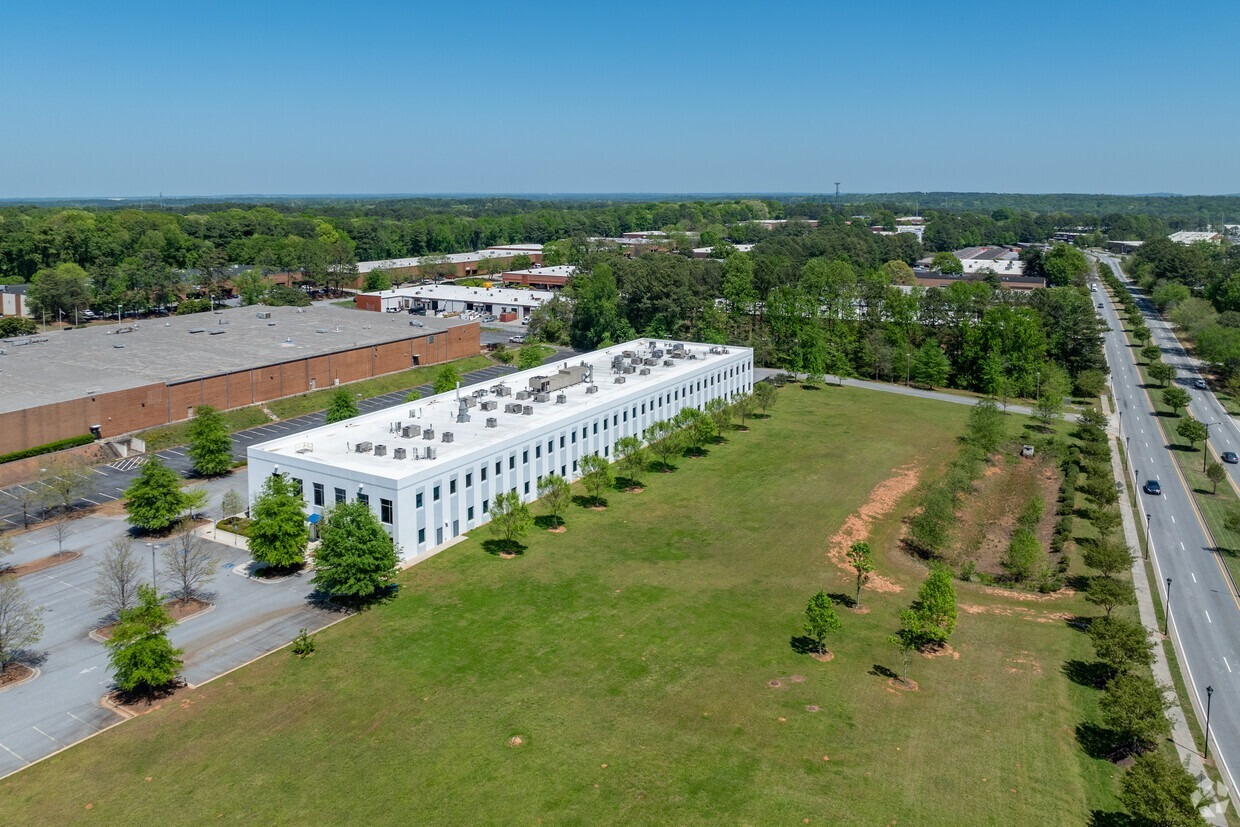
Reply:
x=418, y=500
x=297, y=489
x=385, y=511
x=484, y=473
x=469, y=514
x=435, y=493
x=574, y=466
x=469, y=480
x=486, y=506
x=421, y=536
x=512, y=462
x=563, y=470
x=525, y=457
x=643, y=408
x=451, y=486
x=340, y=495
x=585, y=432
x=527, y=486
x=537, y=451
x=498, y=467
x=605, y=448
x=626, y=416
x=318, y=493
x=596, y=428
x=550, y=445
x=574, y=436
x=363, y=498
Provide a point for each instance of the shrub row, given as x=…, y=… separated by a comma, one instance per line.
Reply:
x=49, y=448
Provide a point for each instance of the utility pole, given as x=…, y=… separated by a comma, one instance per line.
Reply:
x=837, y=196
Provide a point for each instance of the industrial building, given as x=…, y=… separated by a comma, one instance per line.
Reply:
x=119, y=378
x=430, y=470
x=540, y=278
x=463, y=264
x=506, y=304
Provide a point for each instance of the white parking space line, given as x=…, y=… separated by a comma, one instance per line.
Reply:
x=80, y=720
x=1192, y=575
x=1208, y=620
x=45, y=735
x=1225, y=663
x=1173, y=518
x=14, y=754
x=1182, y=546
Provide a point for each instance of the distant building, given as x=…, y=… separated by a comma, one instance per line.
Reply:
x=540, y=278
x=772, y=223
x=931, y=278
x=13, y=301
x=1193, y=236
x=508, y=305
x=709, y=252
x=1124, y=247
x=1003, y=261
x=913, y=229
x=465, y=264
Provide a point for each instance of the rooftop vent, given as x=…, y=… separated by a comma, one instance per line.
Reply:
x=430, y=453
x=644, y=372
x=429, y=433
x=448, y=436
x=650, y=363
x=398, y=453
x=363, y=447
x=197, y=330
x=492, y=422
x=218, y=332
x=264, y=314
x=667, y=363
x=656, y=353
x=462, y=414
x=630, y=369
x=305, y=448
x=561, y=399
x=381, y=450
x=523, y=395
x=527, y=410
x=513, y=408
x=411, y=431
x=591, y=388
x=619, y=381
x=489, y=405
x=542, y=397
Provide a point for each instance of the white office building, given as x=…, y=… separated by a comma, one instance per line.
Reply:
x=430, y=469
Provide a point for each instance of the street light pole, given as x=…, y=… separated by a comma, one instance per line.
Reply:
x=1167, y=619
x=1209, y=696
x=1149, y=538
x=908, y=367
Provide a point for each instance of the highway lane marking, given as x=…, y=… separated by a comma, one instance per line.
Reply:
x=1228, y=665
x=1172, y=516
x=45, y=735
x=1182, y=547
x=14, y=754
x=1191, y=574
x=1208, y=620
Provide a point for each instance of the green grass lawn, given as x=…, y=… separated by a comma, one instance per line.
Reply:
x=634, y=655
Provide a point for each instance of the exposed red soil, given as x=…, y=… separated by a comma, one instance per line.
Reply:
x=15, y=672
x=885, y=496
x=41, y=564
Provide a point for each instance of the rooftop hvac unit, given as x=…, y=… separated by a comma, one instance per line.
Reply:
x=411, y=431
x=591, y=388
x=656, y=353
x=542, y=397
x=492, y=422
x=413, y=453
x=636, y=360
x=619, y=381
x=448, y=436
x=363, y=447
x=479, y=393
x=644, y=372
x=264, y=314
x=630, y=369
x=678, y=354
x=320, y=330
x=667, y=363
x=462, y=414
x=381, y=450
x=429, y=433
x=561, y=399
x=471, y=401
x=513, y=408
x=430, y=453
x=523, y=395
x=501, y=390
x=628, y=354
x=489, y=405
x=617, y=362
x=398, y=453
x=650, y=362
x=527, y=410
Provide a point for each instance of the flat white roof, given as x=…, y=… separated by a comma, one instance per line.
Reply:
x=460, y=293
x=336, y=445
x=454, y=258
x=554, y=270
x=740, y=248
x=518, y=248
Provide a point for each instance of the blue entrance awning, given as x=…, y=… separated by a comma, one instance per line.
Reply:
x=313, y=518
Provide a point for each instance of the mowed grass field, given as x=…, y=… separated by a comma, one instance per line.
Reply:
x=633, y=656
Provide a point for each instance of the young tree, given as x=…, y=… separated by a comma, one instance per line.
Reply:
x=1151, y=353
x=1158, y=792
x=1175, y=399
x=278, y=533
x=936, y=606
x=1141, y=333
x=1052, y=390
x=631, y=456
x=6, y=547
x=1022, y=555
x=665, y=440
x=1216, y=474
x=1192, y=430
x=64, y=481
x=1105, y=519
x=195, y=502
x=907, y=637
x=116, y=584
x=720, y=413
x=1134, y=708
x=595, y=476
x=820, y=621
x=154, y=501
x=356, y=557
x=862, y=561
x=341, y=406
x=555, y=492
x=529, y=356
x=931, y=367
x=743, y=405
x=510, y=518
x=1161, y=372
x=1108, y=593
x=1107, y=555
x=231, y=504
x=446, y=379
x=985, y=427
x=21, y=624
x=764, y=394
x=1120, y=644
x=61, y=532
x=142, y=656
x=210, y=447
x=188, y=562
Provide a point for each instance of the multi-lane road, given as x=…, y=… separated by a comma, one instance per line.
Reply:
x=1205, y=611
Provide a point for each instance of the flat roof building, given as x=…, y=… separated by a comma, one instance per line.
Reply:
x=542, y=278
x=431, y=470
x=1194, y=236
x=465, y=264
x=508, y=304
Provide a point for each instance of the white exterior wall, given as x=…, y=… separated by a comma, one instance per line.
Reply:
x=421, y=526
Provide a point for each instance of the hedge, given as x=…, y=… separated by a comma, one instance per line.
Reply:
x=51, y=447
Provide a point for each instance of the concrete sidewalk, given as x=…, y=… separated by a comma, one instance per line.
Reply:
x=1181, y=736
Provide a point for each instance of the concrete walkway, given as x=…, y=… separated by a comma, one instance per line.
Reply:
x=1181, y=736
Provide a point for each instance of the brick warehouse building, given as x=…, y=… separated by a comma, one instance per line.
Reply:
x=115, y=379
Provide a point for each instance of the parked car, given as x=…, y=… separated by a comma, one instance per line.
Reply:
x=1200, y=384
x=1153, y=488
x=517, y=339
x=1230, y=457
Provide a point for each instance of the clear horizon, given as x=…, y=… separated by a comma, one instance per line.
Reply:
x=387, y=99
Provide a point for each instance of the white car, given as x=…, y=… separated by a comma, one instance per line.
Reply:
x=517, y=339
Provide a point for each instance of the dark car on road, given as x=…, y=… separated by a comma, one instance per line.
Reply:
x=1230, y=457
x=1152, y=487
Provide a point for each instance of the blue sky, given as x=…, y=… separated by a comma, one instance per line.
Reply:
x=135, y=98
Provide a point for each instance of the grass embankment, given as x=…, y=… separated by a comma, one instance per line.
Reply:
x=238, y=419
x=1213, y=505
x=634, y=657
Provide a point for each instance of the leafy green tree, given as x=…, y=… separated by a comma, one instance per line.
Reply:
x=1052, y=391
x=632, y=457
x=743, y=406
x=1090, y=383
x=64, y=480
x=720, y=413
x=908, y=636
x=665, y=439
x=356, y=558
x=142, y=657
x=1064, y=265
x=764, y=394
x=278, y=532
x=1151, y=354
x=1175, y=399
x=862, y=561
x=1022, y=555
x=554, y=491
x=985, y=427
x=596, y=476
x=1134, y=708
x=21, y=625
x=1109, y=593
x=1191, y=430
x=1158, y=792
x=1216, y=474
x=376, y=281
x=17, y=326
x=946, y=263
x=231, y=504
x=446, y=379
x=1108, y=555
x=936, y=606
x=1161, y=372
x=1120, y=644
x=510, y=519
x=154, y=501
x=931, y=367
x=59, y=290
x=252, y=286
x=1106, y=520
x=210, y=447
x=529, y=356
x=1141, y=333
x=341, y=405
x=820, y=621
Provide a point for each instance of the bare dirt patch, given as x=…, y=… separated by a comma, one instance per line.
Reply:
x=507, y=555
x=885, y=496
x=823, y=657
x=634, y=489
x=859, y=610
x=515, y=741
x=1024, y=662
x=15, y=673
x=987, y=517
x=943, y=651
x=42, y=564
x=597, y=507
x=558, y=529
x=812, y=708
x=894, y=684
x=1016, y=611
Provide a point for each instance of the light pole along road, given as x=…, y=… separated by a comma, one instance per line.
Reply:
x=1205, y=625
